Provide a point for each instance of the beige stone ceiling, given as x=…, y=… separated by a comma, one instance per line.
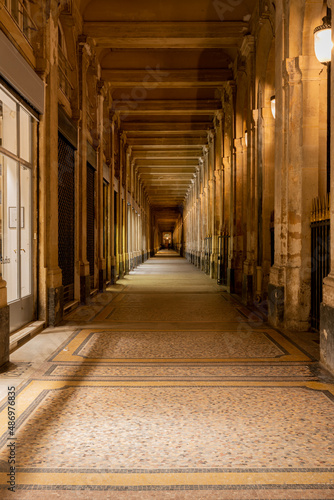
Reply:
x=166, y=61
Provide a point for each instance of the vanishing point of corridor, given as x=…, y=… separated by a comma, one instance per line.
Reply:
x=167, y=387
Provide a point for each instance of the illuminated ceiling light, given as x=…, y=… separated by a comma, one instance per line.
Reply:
x=323, y=40
x=273, y=105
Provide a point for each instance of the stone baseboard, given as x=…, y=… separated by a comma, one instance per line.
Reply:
x=56, y=305
x=84, y=289
x=275, y=304
x=4, y=335
x=327, y=337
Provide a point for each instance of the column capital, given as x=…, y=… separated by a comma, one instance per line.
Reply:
x=100, y=88
x=247, y=46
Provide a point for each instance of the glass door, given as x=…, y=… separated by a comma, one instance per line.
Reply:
x=16, y=209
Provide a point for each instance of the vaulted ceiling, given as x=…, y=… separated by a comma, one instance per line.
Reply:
x=166, y=62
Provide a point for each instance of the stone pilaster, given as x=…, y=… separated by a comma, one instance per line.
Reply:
x=100, y=213
x=327, y=306
x=51, y=297
x=84, y=61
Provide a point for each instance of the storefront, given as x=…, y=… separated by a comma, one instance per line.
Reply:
x=19, y=87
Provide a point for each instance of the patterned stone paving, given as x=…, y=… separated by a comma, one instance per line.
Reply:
x=179, y=345
x=179, y=428
x=163, y=307
x=231, y=411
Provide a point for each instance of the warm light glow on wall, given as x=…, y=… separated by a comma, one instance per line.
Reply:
x=273, y=105
x=323, y=41
x=246, y=138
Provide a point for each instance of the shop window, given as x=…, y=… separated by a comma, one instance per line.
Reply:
x=15, y=198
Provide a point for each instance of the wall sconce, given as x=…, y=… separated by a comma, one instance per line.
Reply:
x=323, y=40
x=273, y=106
x=246, y=138
x=323, y=50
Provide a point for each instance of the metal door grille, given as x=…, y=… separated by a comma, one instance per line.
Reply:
x=66, y=215
x=272, y=238
x=90, y=220
x=222, y=259
x=320, y=255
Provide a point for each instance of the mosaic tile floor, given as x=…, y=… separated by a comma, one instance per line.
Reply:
x=168, y=388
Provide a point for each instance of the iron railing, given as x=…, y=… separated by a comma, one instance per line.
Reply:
x=272, y=238
x=91, y=222
x=207, y=253
x=320, y=254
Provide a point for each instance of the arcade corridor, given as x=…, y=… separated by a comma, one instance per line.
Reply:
x=166, y=249
x=166, y=387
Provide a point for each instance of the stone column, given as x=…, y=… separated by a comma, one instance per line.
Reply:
x=100, y=213
x=215, y=215
x=127, y=224
x=51, y=292
x=132, y=166
x=327, y=306
x=113, y=263
x=84, y=61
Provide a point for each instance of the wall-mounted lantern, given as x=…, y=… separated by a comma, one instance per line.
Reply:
x=323, y=40
x=273, y=105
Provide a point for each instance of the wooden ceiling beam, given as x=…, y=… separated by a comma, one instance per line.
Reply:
x=148, y=35
x=180, y=142
x=140, y=127
x=166, y=79
x=194, y=154
x=172, y=106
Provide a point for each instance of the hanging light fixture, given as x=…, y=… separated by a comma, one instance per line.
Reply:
x=323, y=40
x=273, y=105
x=246, y=138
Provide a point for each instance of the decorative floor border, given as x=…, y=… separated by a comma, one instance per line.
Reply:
x=291, y=352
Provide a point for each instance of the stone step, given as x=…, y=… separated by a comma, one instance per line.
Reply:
x=21, y=336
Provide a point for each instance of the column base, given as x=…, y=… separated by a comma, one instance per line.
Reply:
x=247, y=289
x=56, y=305
x=112, y=275
x=127, y=264
x=4, y=335
x=102, y=280
x=121, y=270
x=327, y=337
x=275, y=304
x=230, y=280
x=213, y=267
x=84, y=289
